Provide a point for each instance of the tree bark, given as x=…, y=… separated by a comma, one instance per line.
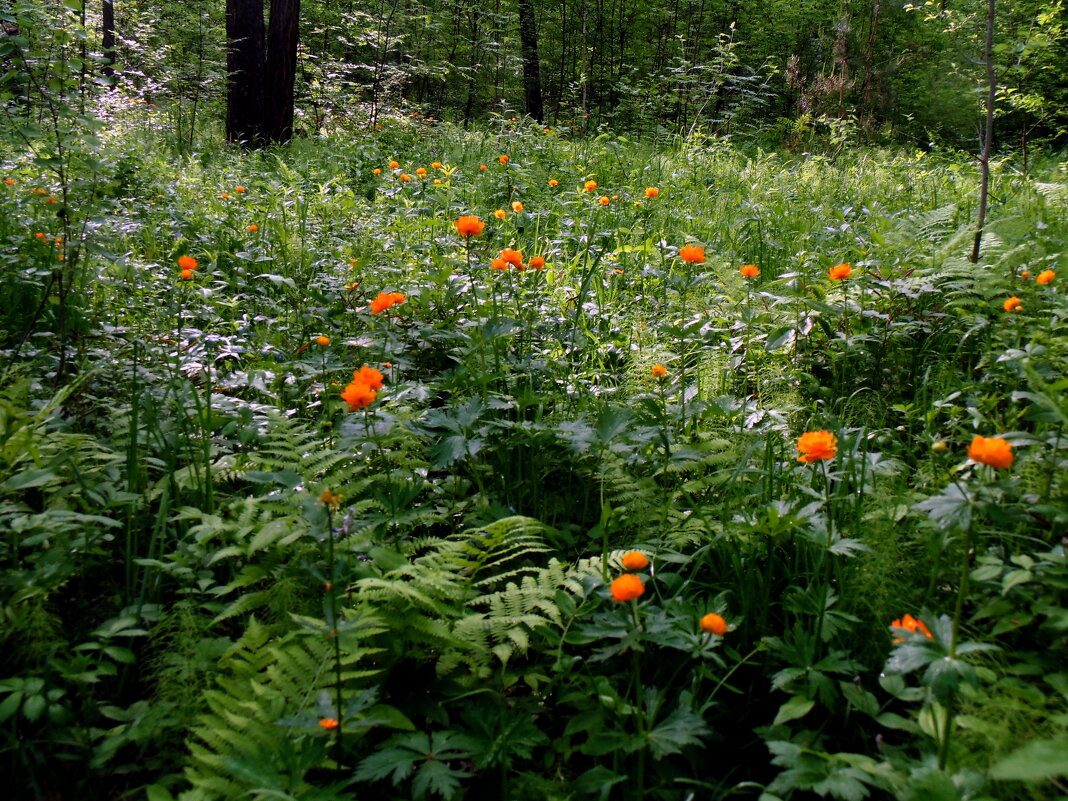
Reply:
x=988, y=135
x=528, y=42
x=245, y=66
x=283, y=34
x=107, y=37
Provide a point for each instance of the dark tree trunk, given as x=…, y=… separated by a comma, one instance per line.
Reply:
x=245, y=66
x=282, y=37
x=528, y=41
x=107, y=37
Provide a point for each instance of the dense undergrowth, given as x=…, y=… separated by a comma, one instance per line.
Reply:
x=221, y=582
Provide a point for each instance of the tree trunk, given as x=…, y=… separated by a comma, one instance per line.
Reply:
x=107, y=37
x=282, y=36
x=245, y=66
x=984, y=159
x=528, y=40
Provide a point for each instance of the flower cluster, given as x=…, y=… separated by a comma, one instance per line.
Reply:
x=362, y=390
x=384, y=300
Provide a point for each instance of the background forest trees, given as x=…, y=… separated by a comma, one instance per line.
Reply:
x=872, y=69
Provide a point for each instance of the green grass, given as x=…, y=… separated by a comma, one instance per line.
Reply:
x=182, y=610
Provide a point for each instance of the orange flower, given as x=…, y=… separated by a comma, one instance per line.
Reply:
x=635, y=560
x=253, y=228
x=436, y=165
x=553, y=182
x=651, y=191
x=51, y=199
x=469, y=225
x=9, y=182
x=376, y=171
x=993, y=451
x=404, y=177
x=500, y=214
x=589, y=186
x=749, y=270
x=816, y=446
x=333, y=500
x=369, y=376
x=324, y=341
x=421, y=172
x=185, y=275
x=394, y=165
x=483, y=167
x=187, y=262
x=383, y=300
x=713, y=624
x=537, y=263
x=1012, y=304
x=499, y=264
x=437, y=182
x=40, y=235
x=909, y=623
x=502, y=159
x=239, y=189
x=517, y=207
x=603, y=200
x=692, y=254
x=328, y=723
x=225, y=196
x=1045, y=277
x=627, y=587
x=840, y=271
x=358, y=395
x=513, y=257
x=659, y=372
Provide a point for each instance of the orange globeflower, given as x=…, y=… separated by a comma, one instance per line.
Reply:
x=589, y=186
x=500, y=214
x=370, y=376
x=514, y=257
x=537, y=262
x=502, y=159
x=816, y=446
x=692, y=254
x=659, y=372
x=376, y=171
x=1045, y=277
x=483, y=167
x=358, y=395
x=553, y=182
x=714, y=624
x=840, y=271
x=437, y=182
x=405, y=177
x=1025, y=274
x=239, y=189
x=635, y=560
x=9, y=182
x=469, y=225
x=436, y=165
x=324, y=341
x=328, y=723
x=749, y=270
x=603, y=200
x=627, y=587
x=187, y=262
x=185, y=275
x=40, y=235
x=651, y=191
x=517, y=206
x=993, y=451
x=909, y=623
x=394, y=165
x=383, y=300
x=1012, y=304
x=499, y=264
x=421, y=172
x=253, y=228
